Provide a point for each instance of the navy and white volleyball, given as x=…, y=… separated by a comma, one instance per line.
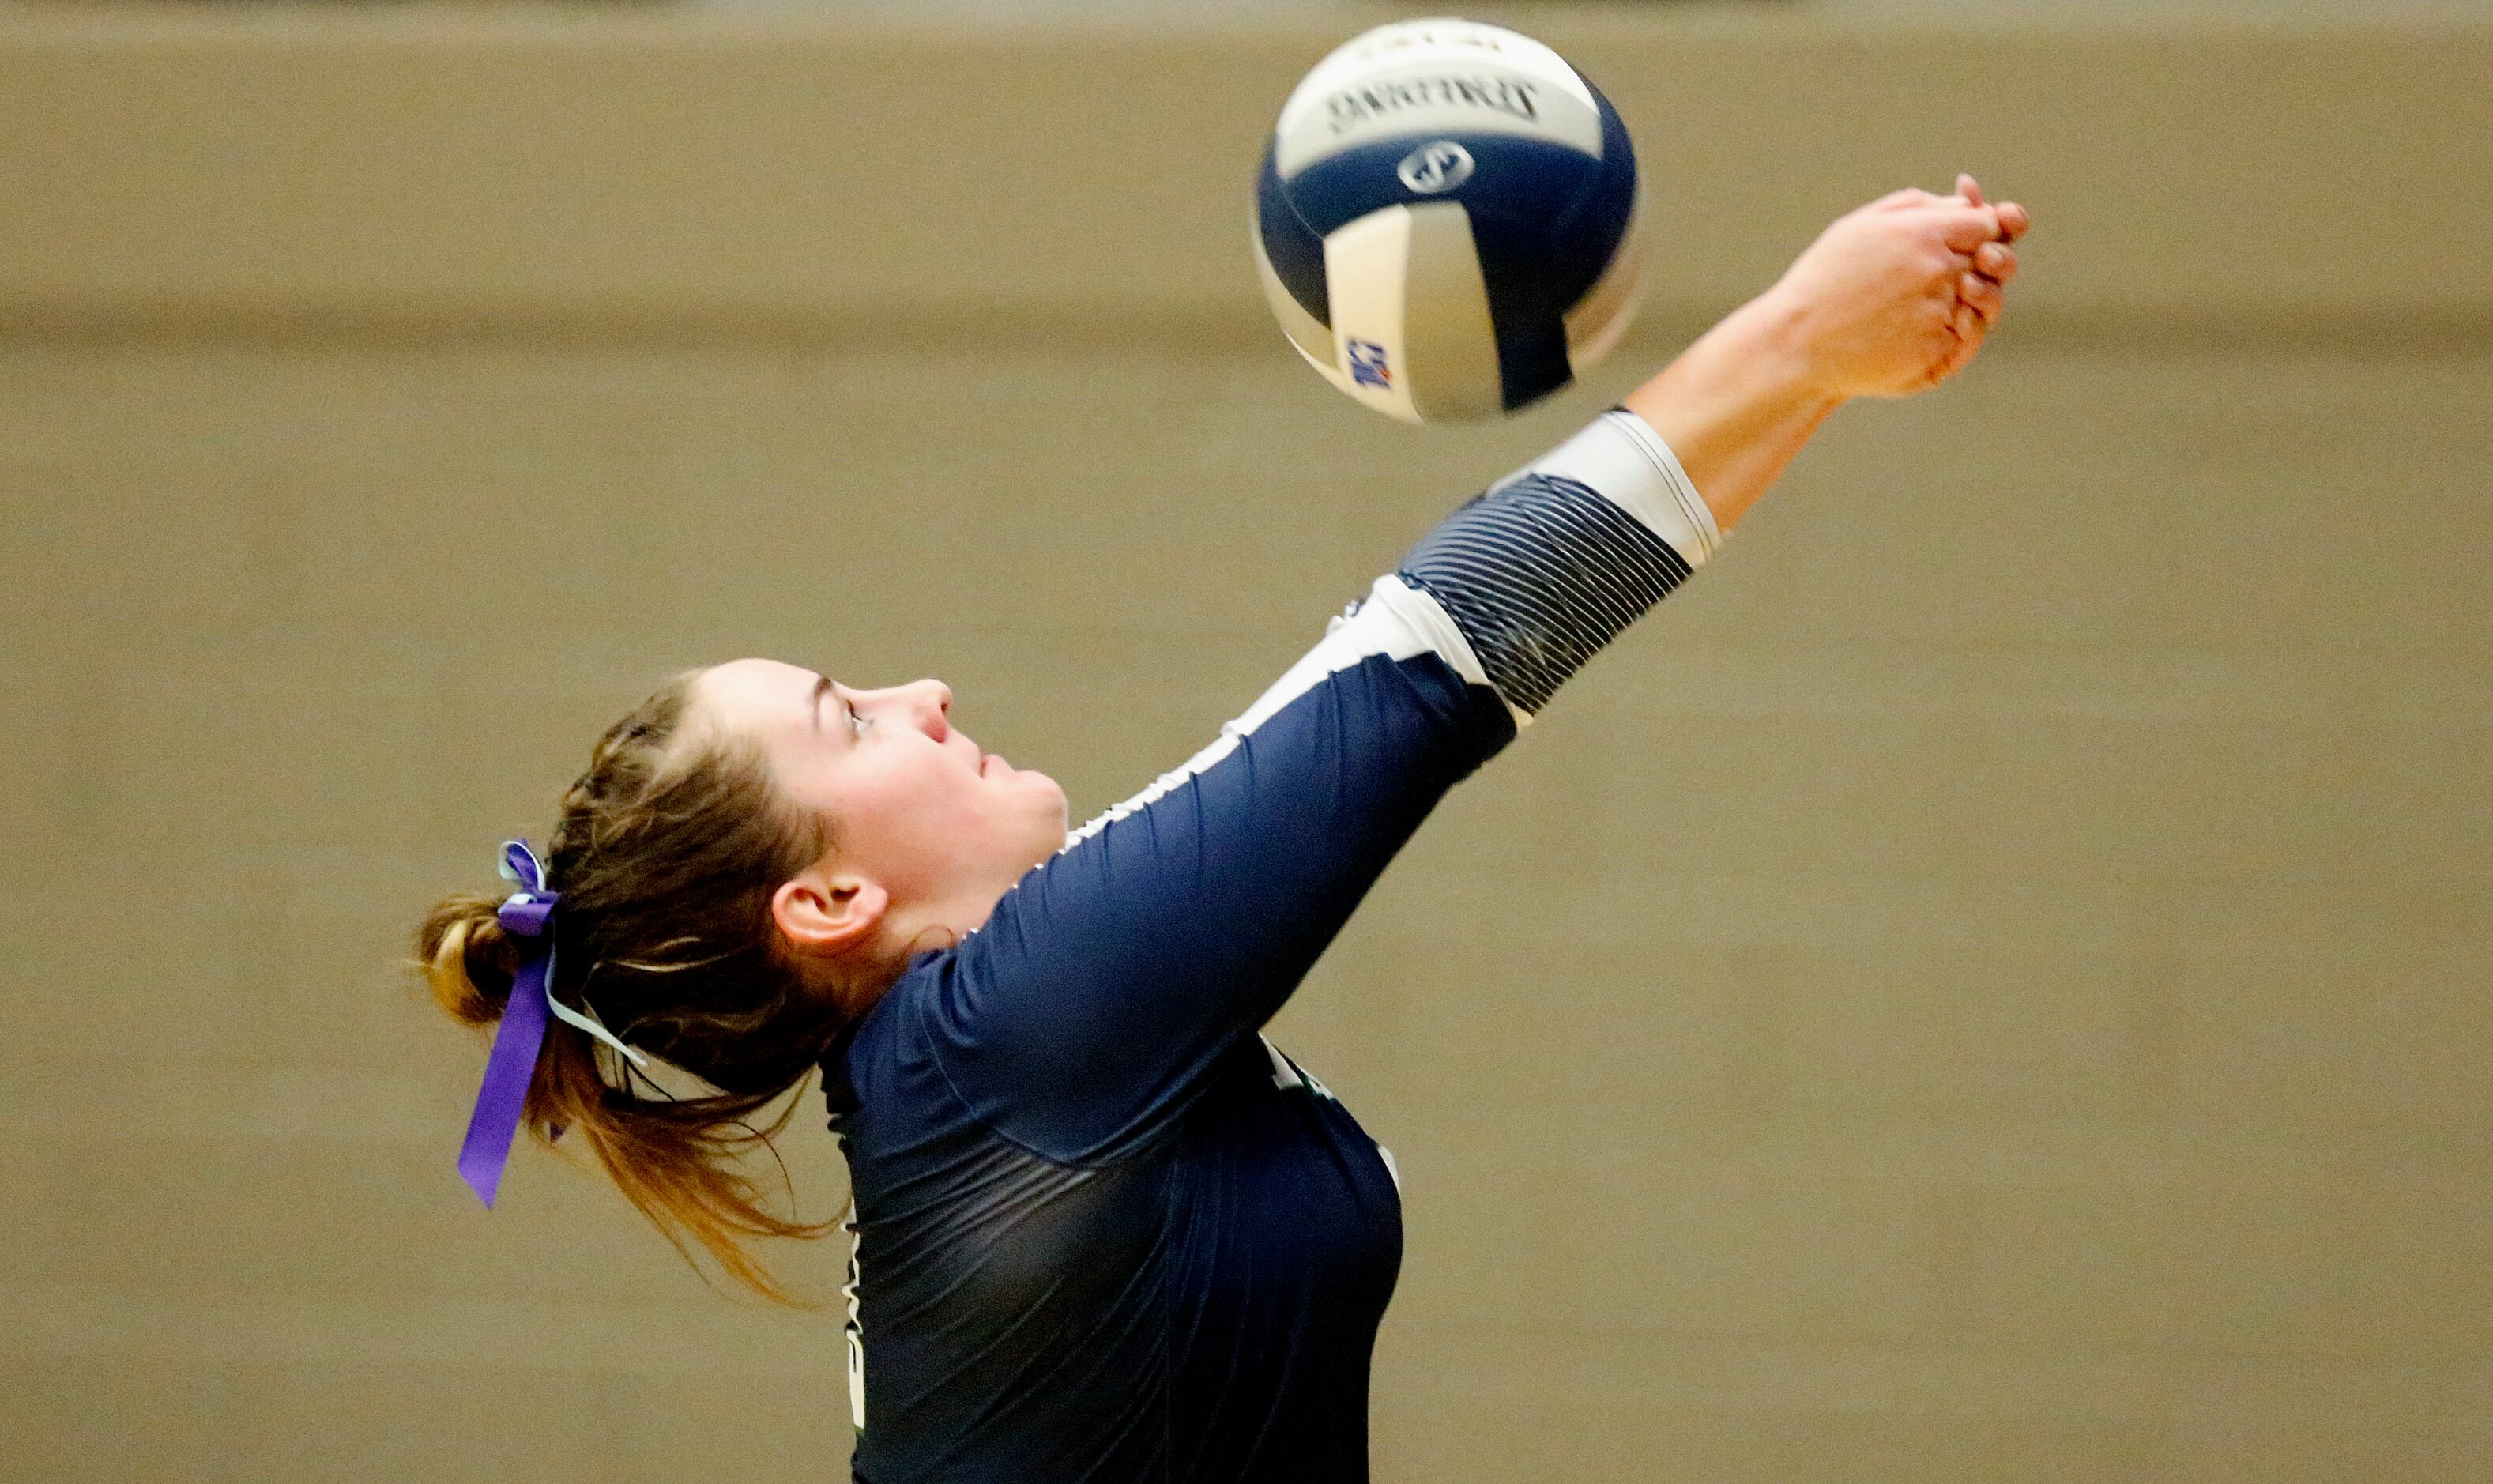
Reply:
x=1445, y=221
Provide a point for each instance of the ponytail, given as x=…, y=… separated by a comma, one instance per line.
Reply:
x=666, y=857
x=467, y=961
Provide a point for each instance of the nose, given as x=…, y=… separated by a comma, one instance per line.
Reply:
x=930, y=706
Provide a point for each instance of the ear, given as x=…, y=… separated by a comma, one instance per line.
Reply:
x=823, y=913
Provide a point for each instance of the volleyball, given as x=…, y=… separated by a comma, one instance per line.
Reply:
x=1445, y=221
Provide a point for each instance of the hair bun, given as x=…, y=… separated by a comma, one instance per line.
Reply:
x=469, y=960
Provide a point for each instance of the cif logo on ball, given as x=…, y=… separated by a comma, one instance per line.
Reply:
x=1368, y=365
x=1516, y=269
x=1434, y=167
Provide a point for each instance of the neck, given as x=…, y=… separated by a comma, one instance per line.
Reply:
x=914, y=927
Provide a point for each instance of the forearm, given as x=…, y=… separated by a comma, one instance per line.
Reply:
x=1737, y=406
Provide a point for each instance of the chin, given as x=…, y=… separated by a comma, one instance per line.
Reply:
x=1055, y=821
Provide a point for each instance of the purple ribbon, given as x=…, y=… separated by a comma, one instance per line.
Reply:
x=527, y=913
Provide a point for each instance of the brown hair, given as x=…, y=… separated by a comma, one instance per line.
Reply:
x=666, y=857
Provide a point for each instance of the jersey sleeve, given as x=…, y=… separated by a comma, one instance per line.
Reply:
x=1081, y=1020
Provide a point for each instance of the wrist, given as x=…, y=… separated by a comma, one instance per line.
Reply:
x=1777, y=333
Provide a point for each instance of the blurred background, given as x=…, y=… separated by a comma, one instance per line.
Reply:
x=1989, y=984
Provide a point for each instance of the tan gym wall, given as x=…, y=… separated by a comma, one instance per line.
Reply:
x=1988, y=983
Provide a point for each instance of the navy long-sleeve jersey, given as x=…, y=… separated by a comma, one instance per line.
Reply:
x=1104, y=1230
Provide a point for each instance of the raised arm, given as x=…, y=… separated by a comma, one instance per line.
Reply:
x=1112, y=982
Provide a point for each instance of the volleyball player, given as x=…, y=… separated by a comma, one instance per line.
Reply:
x=1103, y=1230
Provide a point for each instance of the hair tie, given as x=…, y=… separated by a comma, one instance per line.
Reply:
x=527, y=915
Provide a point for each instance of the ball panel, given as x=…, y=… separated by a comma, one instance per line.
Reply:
x=1367, y=264
x=1411, y=322
x=1613, y=213
x=1600, y=319
x=1287, y=246
x=1415, y=103
x=1531, y=358
x=1449, y=340
x=1441, y=44
x=1310, y=335
x=1586, y=239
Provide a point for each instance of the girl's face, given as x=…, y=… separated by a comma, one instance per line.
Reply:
x=914, y=805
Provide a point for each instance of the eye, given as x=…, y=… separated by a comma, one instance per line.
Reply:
x=856, y=723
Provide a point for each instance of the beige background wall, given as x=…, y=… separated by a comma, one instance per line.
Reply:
x=1987, y=984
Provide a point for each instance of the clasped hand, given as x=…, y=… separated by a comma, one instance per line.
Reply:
x=1895, y=296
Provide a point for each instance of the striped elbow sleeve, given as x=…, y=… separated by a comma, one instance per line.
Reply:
x=1549, y=564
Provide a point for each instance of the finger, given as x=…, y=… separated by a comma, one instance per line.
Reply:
x=2013, y=221
x=1968, y=323
x=1957, y=355
x=1963, y=358
x=1996, y=260
x=1969, y=188
x=1966, y=227
x=1981, y=294
x=1943, y=366
x=1965, y=352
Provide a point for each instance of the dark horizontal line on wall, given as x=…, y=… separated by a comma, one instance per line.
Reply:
x=2462, y=329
